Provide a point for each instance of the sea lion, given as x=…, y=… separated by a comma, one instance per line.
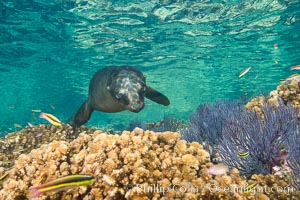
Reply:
x=114, y=89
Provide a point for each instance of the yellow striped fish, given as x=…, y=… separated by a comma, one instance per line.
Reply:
x=60, y=184
x=250, y=187
x=244, y=72
x=2, y=178
x=50, y=118
x=243, y=154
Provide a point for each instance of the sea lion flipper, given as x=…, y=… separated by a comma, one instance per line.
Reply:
x=82, y=115
x=156, y=96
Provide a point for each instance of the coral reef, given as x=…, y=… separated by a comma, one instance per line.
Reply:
x=21, y=142
x=134, y=165
x=288, y=91
x=159, y=164
x=166, y=124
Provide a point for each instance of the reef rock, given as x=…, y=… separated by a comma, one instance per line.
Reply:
x=133, y=165
x=288, y=91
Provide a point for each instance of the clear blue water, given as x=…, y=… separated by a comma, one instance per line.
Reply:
x=192, y=51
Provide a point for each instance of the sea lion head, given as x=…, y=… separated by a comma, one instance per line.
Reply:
x=128, y=87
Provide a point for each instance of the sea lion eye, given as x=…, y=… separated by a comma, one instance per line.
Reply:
x=144, y=88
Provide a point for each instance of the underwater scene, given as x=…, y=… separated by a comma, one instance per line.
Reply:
x=149, y=99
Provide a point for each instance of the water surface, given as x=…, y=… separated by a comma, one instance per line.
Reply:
x=192, y=51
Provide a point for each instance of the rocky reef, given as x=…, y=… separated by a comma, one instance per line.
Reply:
x=288, y=91
x=133, y=165
x=23, y=141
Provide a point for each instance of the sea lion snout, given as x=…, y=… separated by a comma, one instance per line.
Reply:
x=134, y=96
x=129, y=89
x=136, y=106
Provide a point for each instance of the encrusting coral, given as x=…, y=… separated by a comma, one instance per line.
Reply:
x=288, y=91
x=134, y=165
x=23, y=141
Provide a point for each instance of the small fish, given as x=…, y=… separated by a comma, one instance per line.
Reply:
x=52, y=107
x=39, y=135
x=243, y=154
x=250, y=187
x=275, y=46
x=244, y=72
x=11, y=106
x=17, y=125
x=37, y=110
x=276, y=168
x=60, y=184
x=2, y=178
x=30, y=124
x=217, y=169
x=50, y=118
x=296, y=67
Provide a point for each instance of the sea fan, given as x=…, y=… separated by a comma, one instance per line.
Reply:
x=167, y=124
x=294, y=159
x=230, y=130
x=136, y=123
x=207, y=123
x=265, y=140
